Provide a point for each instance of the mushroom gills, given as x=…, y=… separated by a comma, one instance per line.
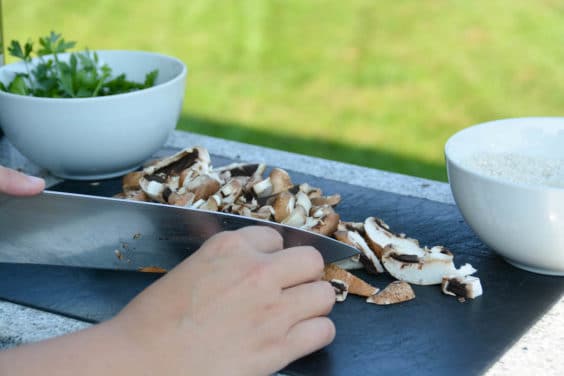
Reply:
x=462, y=286
x=428, y=267
x=341, y=289
x=368, y=258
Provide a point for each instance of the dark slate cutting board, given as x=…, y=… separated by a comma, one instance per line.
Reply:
x=431, y=335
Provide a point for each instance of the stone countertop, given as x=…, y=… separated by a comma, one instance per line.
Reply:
x=538, y=352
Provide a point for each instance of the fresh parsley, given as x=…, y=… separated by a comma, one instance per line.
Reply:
x=81, y=76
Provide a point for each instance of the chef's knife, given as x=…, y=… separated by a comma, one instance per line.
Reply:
x=69, y=229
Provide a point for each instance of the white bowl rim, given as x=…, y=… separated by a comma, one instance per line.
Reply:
x=526, y=186
x=179, y=76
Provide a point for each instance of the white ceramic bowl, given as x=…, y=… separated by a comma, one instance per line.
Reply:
x=507, y=178
x=100, y=137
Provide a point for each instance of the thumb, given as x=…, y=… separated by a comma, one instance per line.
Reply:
x=17, y=184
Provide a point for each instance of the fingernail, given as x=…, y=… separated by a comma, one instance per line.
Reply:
x=34, y=180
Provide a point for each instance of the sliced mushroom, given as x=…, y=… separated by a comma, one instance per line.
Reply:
x=264, y=212
x=232, y=190
x=240, y=169
x=280, y=180
x=351, y=263
x=378, y=237
x=283, y=205
x=310, y=223
x=152, y=269
x=166, y=176
x=321, y=211
x=297, y=217
x=263, y=188
x=211, y=204
x=341, y=289
x=310, y=191
x=176, y=163
x=131, y=181
x=242, y=210
x=181, y=199
x=326, y=225
x=332, y=200
x=153, y=188
x=202, y=186
x=255, y=177
x=356, y=285
x=186, y=179
x=368, y=258
x=303, y=201
x=395, y=292
x=354, y=226
x=426, y=267
x=462, y=286
x=135, y=195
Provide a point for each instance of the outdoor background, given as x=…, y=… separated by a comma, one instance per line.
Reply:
x=370, y=82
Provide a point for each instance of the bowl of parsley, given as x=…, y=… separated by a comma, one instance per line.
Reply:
x=89, y=115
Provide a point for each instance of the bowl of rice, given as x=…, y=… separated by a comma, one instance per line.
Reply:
x=507, y=179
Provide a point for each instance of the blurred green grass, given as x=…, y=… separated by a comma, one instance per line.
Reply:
x=375, y=83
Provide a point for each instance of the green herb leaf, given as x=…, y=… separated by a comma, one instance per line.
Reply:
x=65, y=78
x=15, y=50
x=18, y=86
x=150, y=78
x=81, y=76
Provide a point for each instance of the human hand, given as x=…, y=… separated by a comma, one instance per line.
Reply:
x=241, y=305
x=17, y=184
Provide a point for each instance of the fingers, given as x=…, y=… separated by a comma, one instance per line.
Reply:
x=17, y=184
x=260, y=238
x=308, y=300
x=266, y=239
x=308, y=336
x=296, y=265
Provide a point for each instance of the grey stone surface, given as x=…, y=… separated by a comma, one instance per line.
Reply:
x=538, y=352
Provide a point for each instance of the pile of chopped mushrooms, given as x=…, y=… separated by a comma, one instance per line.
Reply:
x=187, y=178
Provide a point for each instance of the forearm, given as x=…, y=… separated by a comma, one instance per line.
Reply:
x=100, y=350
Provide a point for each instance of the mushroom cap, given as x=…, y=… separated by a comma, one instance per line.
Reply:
x=203, y=186
x=181, y=199
x=327, y=225
x=395, y=292
x=332, y=200
x=283, y=205
x=280, y=179
x=356, y=285
x=131, y=181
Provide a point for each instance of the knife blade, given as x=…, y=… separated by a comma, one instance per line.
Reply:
x=57, y=228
